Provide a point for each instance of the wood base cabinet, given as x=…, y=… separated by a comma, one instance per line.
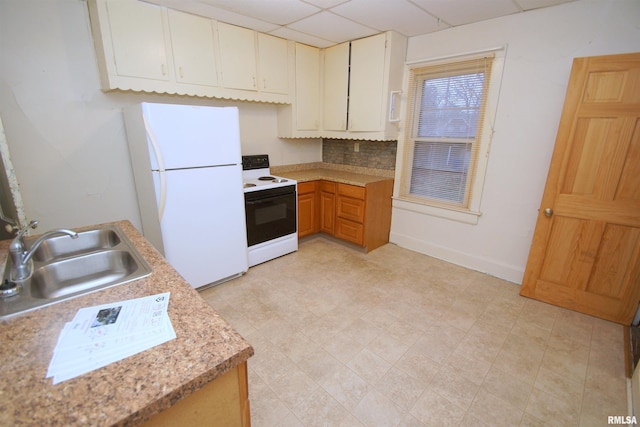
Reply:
x=223, y=402
x=327, y=207
x=360, y=215
x=308, y=219
x=350, y=213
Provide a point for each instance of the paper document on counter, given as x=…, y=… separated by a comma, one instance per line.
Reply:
x=100, y=335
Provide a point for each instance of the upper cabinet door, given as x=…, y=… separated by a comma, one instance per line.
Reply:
x=237, y=57
x=307, y=87
x=367, y=83
x=193, y=48
x=336, y=86
x=138, y=37
x=273, y=64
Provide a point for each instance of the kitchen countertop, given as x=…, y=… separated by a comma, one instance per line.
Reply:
x=126, y=392
x=330, y=172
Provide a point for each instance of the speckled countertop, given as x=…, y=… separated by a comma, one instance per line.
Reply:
x=127, y=392
x=338, y=173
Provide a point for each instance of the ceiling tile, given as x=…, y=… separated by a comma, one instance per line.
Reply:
x=323, y=23
x=536, y=4
x=326, y=4
x=329, y=26
x=289, y=34
x=218, y=14
x=281, y=12
x=459, y=12
x=383, y=15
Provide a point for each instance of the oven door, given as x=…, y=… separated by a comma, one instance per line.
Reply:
x=270, y=214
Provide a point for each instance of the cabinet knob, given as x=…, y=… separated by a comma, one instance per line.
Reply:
x=548, y=212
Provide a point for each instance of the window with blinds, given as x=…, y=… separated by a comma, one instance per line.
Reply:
x=446, y=109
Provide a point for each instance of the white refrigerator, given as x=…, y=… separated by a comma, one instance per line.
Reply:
x=188, y=173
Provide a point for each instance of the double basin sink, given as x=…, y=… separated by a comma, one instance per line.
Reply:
x=64, y=268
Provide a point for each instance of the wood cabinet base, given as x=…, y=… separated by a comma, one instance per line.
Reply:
x=223, y=402
x=360, y=215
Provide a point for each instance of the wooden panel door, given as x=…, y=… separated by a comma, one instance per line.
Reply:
x=327, y=207
x=585, y=254
x=308, y=208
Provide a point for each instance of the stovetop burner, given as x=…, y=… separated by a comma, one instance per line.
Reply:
x=257, y=176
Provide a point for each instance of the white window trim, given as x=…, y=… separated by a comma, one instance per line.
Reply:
x=470, y=215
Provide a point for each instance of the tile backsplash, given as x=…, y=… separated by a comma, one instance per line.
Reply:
x=370, y=154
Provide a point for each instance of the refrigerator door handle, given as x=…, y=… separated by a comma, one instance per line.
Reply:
x=157, y=152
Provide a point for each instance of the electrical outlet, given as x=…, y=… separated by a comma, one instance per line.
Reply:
x=356, y=147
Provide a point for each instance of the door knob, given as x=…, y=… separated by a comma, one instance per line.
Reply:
x=548, y=212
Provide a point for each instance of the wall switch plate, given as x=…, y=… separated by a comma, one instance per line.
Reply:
x=356, y=147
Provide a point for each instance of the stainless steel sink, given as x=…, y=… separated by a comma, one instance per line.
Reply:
x=80, y=273
x=64, y=247
x=65, y=268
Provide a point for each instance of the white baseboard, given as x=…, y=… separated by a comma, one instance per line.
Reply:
x=471, y=261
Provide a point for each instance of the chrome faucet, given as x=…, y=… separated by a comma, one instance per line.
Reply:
x=21, y=267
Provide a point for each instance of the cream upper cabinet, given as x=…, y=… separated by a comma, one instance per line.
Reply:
x=301, y=119
x=192, y=42
x=237, y=57
x=366, y=90
x=273, y=64
x=149, y=48
x=336, y=86
x=138, y=39
x=374, y=74
x=307, y=87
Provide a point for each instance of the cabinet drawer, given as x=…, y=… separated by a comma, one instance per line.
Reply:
x=349, y=230
x=351, y=191
x=307, y=187
x=350, y=208
x=328, y=186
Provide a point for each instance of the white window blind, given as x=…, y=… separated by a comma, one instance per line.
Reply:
x=446, y=108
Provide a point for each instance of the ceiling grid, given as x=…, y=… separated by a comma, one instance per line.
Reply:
x=323, y=23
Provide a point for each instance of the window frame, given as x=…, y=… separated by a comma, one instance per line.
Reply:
x=404, y=162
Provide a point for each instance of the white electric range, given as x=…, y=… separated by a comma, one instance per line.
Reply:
x=271, y=211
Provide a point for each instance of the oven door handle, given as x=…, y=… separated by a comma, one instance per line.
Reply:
x=265, y=199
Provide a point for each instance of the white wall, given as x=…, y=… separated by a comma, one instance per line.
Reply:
x=540, y=47
x=67, y=137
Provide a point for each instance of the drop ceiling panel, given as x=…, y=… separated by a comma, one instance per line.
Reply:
x=281, y=12
x=536, y=4
x=323, y=23
x=383, y=15
x=218, y=14
x=289, y=34
x=329, y=26
x=460, y=12
x=326, y=4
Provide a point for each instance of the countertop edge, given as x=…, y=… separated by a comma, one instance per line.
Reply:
x=187, y=389
x=129, y=391
x=307, y=172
